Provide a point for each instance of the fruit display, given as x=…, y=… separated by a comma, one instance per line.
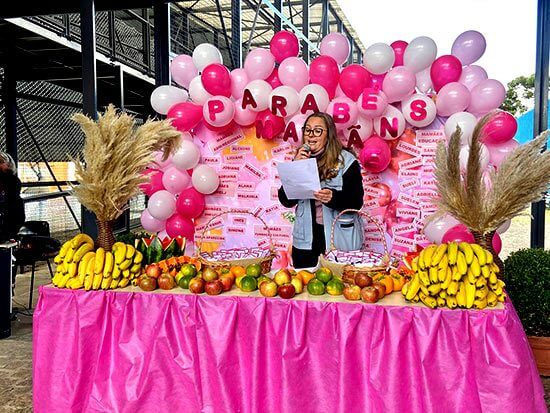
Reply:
x=80, y=265
x=154, y=249
x=455, y=275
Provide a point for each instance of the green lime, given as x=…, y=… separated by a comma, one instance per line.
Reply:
x=316, y=287
x=248, y=283
x=254, y=270
x=323, y=274
x=188, y=269
x=184, y=281
x=335, y=287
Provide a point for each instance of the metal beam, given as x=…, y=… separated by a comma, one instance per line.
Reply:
x=10, y=102
x=162, y=43
x=236, y=33
x=305, y=29
x=538, y=209
x=325, y=19
x=278, y=24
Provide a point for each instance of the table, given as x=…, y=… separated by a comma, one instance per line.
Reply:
x=6, y=268
x=131, y=351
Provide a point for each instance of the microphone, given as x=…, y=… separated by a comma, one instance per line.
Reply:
x=306, y=147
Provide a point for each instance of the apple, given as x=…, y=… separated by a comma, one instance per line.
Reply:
x=348, y=277
x=196, y=285
x=298, y=284
x=363, y=280
x=286, y=291
x=268, y=288
x=352, y=292
x=209, y=274
x=381, y=288
x=148, y=283
x=282, y=277
x=369, y=294
x=153, y=270
x=227, y=282
x=213, y=287
x=166, y=281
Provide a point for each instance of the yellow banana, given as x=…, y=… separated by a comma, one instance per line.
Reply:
x=442, y=274
x=76, y=284
x=461, y=263
x=138, y=257
x=97, y=281
x=480, y=254
x=106, y=283
x=428, y=301
x=495, y=268
x=63, y=250
x=120, y=253
x=80, y=239
x=82, y=251
x=90, y=266
x=405, y=289
x=441, y=302
x=489, y=257
x=476, y=269
x=470, y=294
x=109, y=263
x=88, y=281
x=123, y=282
x=498, y=290
x=438, y=255
x=117, y=245
x=481, y=293
x=493, y=278
x=114, y=284
x=453, y=288
x=83, y=265
x=448, y=278
x=421, y=263
x=433, y=274
x=424, y=289
x=443, y=262
x=461, y=294
x=126, y=273
x=485, y=271
x=501, y=283
x=415, y=299
x=414, y=264
x=480, y=304
x=452, y=252
x=130, y=250
x=63, y=281
x=99, y=261
x=451, y=302
x=124, y=265
x=135, y=268
x=413, y=287
x=457, y=276
x=467, y=250
x=56, y=278
x=434, y=289
x=428, y=253
x=491, y=299
x=424, y=279
x=501, y=297
x=443, y=293
x=116, y=272
x=470, y=276
x=69, y=257
x=481, y=282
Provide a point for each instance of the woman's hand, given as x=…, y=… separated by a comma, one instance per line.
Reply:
x=302, y=153
x=324, y=195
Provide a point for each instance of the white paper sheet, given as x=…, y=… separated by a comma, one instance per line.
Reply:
x=300, y=179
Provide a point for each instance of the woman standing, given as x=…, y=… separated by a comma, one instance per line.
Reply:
x=342, y=188
x=12, y=209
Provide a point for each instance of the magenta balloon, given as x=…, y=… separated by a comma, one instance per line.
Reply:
x=216, y=80
x=399, y=84
x=185, y=116
x=435, y=229
x=353, y=79
x=183, y=70
x=324, y=71
x=445, y=69
x=150, y=223
x=498, y=153
x=399, y=47
x=452, y=98
x=486, y=96
x=273, y=79
x=376, y=81
x=259, y=63
x=458, y=233
x=468, y=47
x=472, y=76
x=268, y=125
x=155, y=182
x=497, y=243
x=239, y=80
x=190, y=203
x=293, y=72
x=178, y=226
x=500, y=128
x=375, y=155
x=284, y=44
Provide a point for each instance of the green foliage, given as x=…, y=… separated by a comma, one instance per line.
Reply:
x=130, y=237
x=522, y=87
x=527, y=278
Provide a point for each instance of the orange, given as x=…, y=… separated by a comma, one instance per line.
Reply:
x=306, y=276
x=254, y=270
x=398, y=282
x=388, y=282
x=237, y=270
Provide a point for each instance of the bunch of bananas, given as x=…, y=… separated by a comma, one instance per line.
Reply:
x=78, y=265
x=455, y=275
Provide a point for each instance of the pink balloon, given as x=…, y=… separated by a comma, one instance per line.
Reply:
x=183, y=70
x=372, y=103
x=259, y=63
x=486, y=96
x=497, y=243
x=335, y=45
x=160, y=162
x=399, y=47
x=452, y=98
x=293, y=72
x=273, y=79
x=399, y=84
x=355, y=136
x=324, y=71
x=284, y=44
x=216, y=79
x=344, y=112
x=185, y=116
x=244, y=117
x=175, y=180
x=150, y=223
x=293, y=130
x=376, y=154
x=498, y=153
x=391, y=179
x=268, y=125
x=423, y=80
x=239, y=80
x=155, y=182
x=436, y=229
x=500, y=128
x=178, y=226
x=161, y=205
x=218, y=111
x=458, y=233
x=376, y=81
x=469, y=46
x=353, y=79
x=190, y=203
x=445, y=69
x=472, y=76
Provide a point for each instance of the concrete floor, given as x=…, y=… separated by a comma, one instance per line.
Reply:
x=16, y=351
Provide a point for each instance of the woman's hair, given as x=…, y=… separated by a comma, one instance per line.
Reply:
x=328, y=162
x=7, y=159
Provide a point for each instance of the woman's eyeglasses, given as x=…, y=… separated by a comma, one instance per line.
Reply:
x=315, y=131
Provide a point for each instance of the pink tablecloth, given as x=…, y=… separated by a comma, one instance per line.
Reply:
x=147, y=352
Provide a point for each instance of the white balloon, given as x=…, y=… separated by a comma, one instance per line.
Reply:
x=260, y=90
x=424, y=80
x=420, y=53
x=379, y=58
x=164, y=97
x=187, y=156
x=186, y=136
x=419, y=110
x=391, y=124
x=206, y=54
x=313, y=92
x=205, y=179
x=283, y=101
x=362, y=128
x=161, y=205
x=466, y=121
x=218, y=111
x=504, y=227
x=197, y=92
x=465, y=153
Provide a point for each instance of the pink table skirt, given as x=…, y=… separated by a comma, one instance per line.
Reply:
x=133, y=352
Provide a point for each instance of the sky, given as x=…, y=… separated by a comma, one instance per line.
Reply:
x=509, y=27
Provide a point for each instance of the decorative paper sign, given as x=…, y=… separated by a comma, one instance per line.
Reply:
x=404, y=228
x=240, y=210
x=403, y=242
x=272, y=208
x=420, y=238
x=259, y=210
x=246, y=186
x=241, y=149
x=274, y=193
x=211, y=210
x=408, y=200
x=409, y=184
x=370, y=179
x=424, y=194
x=255, y=172
x=372, y=191
x=225, y=141
x=410, y=163
x=210, y=238
x=408, y=148
x=429, y=151
x=428, y=183
x=238, y=220
x=429, y=168
x=408, y=173
x=263, y=242
x=234, y=158
x=281, y=149
x=374, y=238
x=247, y=196
x=407, y=213
x=216, y=223
x=371, y=204
x=235, y=230
x=429, y=206
x=231, y=168
x=429, y=137
x=211, y=160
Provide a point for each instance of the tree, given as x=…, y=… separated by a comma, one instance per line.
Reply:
x=520, y=89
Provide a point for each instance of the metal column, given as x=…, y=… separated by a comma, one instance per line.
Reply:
x=162, y=43
x=541, y=108
x=89, y=87
x=305, y=30
x=278, y=23
x=325, y=19
x=236, y=33
x=10, y=100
